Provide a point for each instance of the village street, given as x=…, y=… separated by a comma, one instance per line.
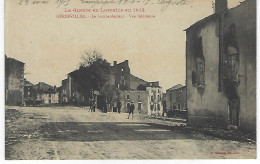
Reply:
x=75, y=133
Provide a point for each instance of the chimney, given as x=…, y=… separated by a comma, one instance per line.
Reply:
x=115, y=63
x=220, y=6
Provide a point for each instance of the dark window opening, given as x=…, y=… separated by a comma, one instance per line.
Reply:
x=139, y=106
x=200, y=72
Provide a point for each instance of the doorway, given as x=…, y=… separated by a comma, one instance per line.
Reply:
x=234, y=106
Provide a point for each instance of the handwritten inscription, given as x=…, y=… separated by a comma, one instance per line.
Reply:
x=33, y=2
x=163, y=4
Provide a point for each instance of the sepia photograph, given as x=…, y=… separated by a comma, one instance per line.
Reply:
x=129, y=79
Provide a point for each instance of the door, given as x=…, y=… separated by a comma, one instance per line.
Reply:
x=234, y=106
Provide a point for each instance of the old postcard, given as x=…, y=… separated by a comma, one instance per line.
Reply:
x=130, y=79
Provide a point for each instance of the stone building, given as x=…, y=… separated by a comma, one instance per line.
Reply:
x=140, y=99
x=46, y=93
x=176, y=98
x=14, y=81
x=120, y=75
x=221, y=67
x=51, y=96
x=155, y=98
x=137, y=83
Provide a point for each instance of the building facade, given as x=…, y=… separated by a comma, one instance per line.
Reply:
x=140, y=99
x=155, y=98
x=46, y=93
x=176, y=98
x=64, y=91
x=221, y=67
x=14, y=81
x=120, y=75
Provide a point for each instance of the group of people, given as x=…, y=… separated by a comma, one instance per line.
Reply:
x=131, y=108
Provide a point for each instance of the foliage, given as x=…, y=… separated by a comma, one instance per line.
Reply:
x=110, y=93
x=89, y=57
x=94, y=74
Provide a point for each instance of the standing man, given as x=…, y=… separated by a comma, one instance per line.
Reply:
x=94, y=105
x=119, y=105
x=131, y=110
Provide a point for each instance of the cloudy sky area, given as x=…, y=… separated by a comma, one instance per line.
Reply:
x=52, y=47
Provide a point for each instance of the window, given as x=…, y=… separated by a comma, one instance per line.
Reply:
x=231, y=65
x=152, y=98
x=139, y=96
x=200, y=72
x=233, y=68
x=127, y=97
x=151, y=107
x=159, y=98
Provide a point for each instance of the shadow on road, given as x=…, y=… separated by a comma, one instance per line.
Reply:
x=112, y=131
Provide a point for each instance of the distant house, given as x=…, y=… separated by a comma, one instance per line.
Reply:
x=176, y=98
x=155, y=98
x=51, y=96
x=140, y=99
x=73, y=95
x=28, y=90
x=221, y=67
x=147, y=101
x=14, y=81
x=46, y=93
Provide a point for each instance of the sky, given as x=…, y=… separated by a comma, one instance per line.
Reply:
x=51, y=47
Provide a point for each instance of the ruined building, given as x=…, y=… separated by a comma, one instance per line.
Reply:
x=221, y=67
x=14, y=81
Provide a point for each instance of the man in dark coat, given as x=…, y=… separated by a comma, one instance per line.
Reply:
x=119, y=105
x=131, y=110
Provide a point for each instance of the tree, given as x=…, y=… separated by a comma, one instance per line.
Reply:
x=110, y=93
x=89, y=57
x=94, y=74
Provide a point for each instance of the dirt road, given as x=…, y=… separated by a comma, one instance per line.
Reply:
x=74, y=133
